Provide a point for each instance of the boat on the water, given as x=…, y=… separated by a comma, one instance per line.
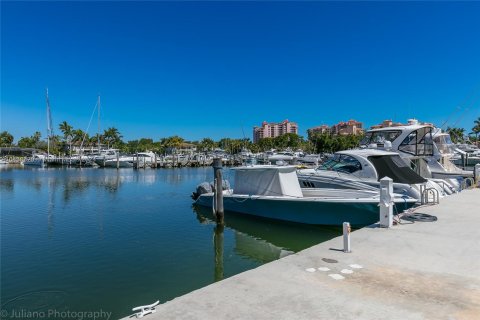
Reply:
x=362, y=169
x=274, y=192
x=37, y=160
x=416, y=146
x=142, y=159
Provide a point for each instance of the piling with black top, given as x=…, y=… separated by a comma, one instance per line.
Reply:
x=217, y=169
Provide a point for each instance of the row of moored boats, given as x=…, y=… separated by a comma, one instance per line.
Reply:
x=345, y=188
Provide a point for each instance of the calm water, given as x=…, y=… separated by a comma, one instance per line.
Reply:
x=98, y=239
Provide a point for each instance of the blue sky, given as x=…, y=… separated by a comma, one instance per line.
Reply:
x=216, y=69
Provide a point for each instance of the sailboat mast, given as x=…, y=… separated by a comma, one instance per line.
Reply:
x=48, y=123
x=98, y=129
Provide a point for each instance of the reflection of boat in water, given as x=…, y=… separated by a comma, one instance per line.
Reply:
x=266, y=240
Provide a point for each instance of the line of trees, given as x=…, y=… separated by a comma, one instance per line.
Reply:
x=112, y=138
x=458, y=134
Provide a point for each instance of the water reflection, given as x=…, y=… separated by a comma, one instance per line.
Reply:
x=218, y=247
x=6, y=185
x=51, y=204
x=261, y=240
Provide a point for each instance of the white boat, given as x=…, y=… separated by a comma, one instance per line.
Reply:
x=362, y=169
x=41, y=160
x=37, y=160
x=141, y=158
x=274, y=192
x=414, y=143
x=466, y=155
x=145, y=159
x=121, y=162
x=310, y=159
x=285, y=156
x=105, y=155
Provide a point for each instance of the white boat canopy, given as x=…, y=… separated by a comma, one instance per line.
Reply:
x=267, y=181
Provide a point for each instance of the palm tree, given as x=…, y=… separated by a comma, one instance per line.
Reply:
x=67, y=131
x=111, y=136
x=456, y=134
x=6, y=139
x=476, y=128
x=206, y=145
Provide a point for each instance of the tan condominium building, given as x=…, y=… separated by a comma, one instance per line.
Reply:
x=342, y=128
x=345, y=128
x=274, y=129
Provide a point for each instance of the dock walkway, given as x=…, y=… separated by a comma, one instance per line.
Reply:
x=424, y=270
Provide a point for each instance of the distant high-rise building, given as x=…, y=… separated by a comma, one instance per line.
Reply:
x=320, y=129
x=341, y=128
x=274, y=129
x=349, y=127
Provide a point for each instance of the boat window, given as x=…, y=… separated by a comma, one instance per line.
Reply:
x=444, y=144
x=418, y=142
x=379, y=137
x=342, y=163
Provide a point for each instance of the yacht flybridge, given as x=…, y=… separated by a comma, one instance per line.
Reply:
x=415, y=145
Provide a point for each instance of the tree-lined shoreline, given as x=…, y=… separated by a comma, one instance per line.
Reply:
x=72, y=138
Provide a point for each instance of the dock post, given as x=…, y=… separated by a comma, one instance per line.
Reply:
x=217, y=169
x=118, y=160
x=346, y=237
x=476, y=174
x=386, y=202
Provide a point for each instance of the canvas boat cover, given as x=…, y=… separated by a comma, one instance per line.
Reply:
x=396, y=169
x=267, y=181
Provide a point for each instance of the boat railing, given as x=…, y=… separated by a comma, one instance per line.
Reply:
x=425, y=196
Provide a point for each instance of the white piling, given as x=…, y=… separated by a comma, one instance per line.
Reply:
x=386, y=202
x=346, y=237
x=476, y=174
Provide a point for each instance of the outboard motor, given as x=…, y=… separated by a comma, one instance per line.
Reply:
x=206, y=187
x=202, y=188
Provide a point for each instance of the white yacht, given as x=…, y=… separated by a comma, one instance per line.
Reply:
x=37, y=160
x=415, y=145
x=105, y=155
x=362, y=169
x=128, y=161
x=466, y=155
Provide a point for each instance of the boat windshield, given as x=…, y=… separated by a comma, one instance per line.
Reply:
x=444, y=144
x=418, y=142
x=380, y=137
x=342, y=163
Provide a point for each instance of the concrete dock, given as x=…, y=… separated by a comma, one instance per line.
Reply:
x=421, y=270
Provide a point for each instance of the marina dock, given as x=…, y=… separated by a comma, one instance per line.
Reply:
x=419, y=270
